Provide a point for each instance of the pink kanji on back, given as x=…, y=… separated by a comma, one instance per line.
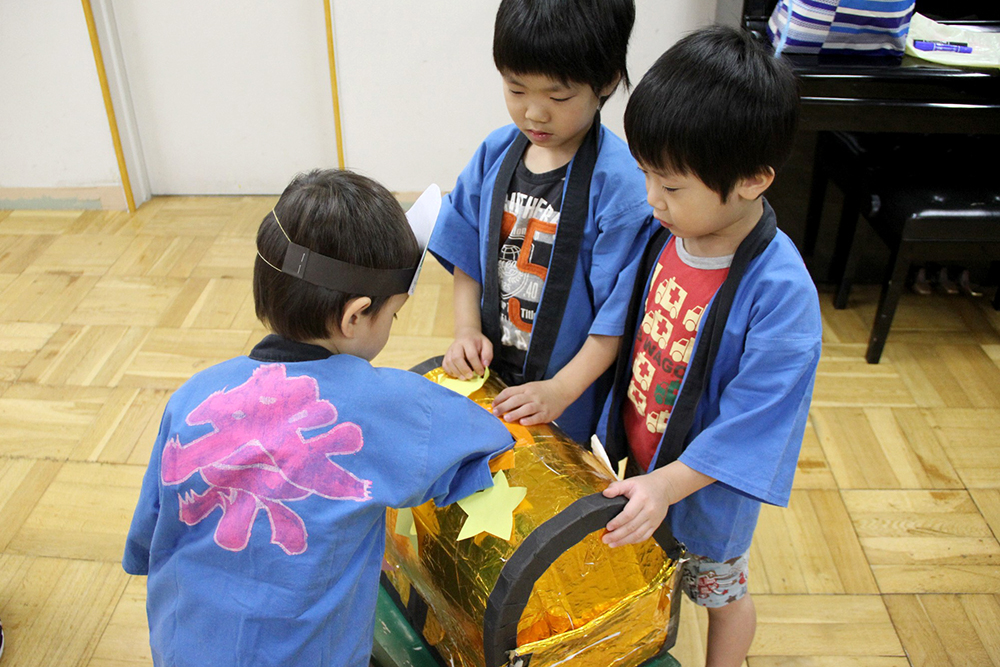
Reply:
x=256, y=458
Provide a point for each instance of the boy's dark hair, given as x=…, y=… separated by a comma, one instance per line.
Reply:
x=339, y=214
x=717, y=104
x=584, y=41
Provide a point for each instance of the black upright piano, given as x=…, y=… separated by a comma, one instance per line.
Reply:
x=874, y=94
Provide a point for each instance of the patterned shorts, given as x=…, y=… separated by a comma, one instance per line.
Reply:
x=712, y=584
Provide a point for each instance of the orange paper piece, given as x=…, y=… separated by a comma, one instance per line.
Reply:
x=503, y=461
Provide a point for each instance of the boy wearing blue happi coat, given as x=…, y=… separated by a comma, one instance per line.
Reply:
x=545, y=225
x=261, y=520
x=712, y=391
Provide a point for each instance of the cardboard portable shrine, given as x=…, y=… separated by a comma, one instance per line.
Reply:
x=518, y=574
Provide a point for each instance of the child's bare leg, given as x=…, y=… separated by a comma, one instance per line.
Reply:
x=730, y=631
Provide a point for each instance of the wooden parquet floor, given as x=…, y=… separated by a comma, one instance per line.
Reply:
x=888, y=555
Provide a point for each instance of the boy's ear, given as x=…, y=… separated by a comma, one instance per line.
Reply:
x=354, y=310
x=609, y=89
x=752, y=187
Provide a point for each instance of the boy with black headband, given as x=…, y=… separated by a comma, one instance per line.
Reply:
x=261, y=521
x=712, y=391
x=545, y=224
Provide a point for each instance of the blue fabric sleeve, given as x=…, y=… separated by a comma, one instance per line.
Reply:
x=460, y=442
x=455, y=240
x=147, y=510
x=623, y=222
x=752, y=444
x=621, y=238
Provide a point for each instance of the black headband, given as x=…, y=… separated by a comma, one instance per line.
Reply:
x=334, y=274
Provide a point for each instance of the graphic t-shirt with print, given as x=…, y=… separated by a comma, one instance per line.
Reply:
x=527, y=235
x=680, y=291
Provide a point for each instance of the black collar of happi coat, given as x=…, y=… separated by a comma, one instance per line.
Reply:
x=277, y=349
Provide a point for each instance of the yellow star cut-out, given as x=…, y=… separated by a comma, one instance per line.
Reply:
x=492, y=510
x=406, y=527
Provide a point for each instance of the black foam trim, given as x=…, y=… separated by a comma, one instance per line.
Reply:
x=664, y=536
x=391, y=591
x=533, y=557
x=425, y=367
x=416, y=611
x=675, y=618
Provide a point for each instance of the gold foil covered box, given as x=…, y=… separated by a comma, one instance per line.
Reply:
x=550, y=592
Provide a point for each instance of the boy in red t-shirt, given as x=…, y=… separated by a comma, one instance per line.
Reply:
x=711, y=397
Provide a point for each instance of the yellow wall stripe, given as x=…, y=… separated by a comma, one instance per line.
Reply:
x=333, y=83
x=102, y=75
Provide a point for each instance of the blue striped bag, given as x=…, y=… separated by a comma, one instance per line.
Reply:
x=874, y=27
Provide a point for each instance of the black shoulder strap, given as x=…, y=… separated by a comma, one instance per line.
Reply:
x=615, y=443
x=491, y=283
x=566, y=251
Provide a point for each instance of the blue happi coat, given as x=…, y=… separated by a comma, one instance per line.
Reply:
x=742, y=426
x=615, y=230
x=261, y=520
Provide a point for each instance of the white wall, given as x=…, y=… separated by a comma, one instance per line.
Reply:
x=230, y=97
x=658, y=24
x=418, y=85
x=53, y=128
x=233, y=97
x=419, y=89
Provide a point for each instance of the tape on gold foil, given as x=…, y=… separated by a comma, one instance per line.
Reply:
x=406, y=527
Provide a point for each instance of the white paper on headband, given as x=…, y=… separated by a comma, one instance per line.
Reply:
x=422, y=217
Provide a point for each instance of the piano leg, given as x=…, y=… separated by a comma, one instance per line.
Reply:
x=846, y=251
x=994, y=266
x=899, y=266
x=814, y=214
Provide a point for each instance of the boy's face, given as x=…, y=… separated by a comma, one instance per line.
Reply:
x=555, y=116
x=691, y=210
x=373, y=331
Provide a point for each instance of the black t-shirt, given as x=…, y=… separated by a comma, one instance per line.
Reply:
x=528, y=232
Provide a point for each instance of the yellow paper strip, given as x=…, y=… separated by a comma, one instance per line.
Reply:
x=465, y=387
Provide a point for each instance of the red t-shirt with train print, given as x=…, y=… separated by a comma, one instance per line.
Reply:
x=681, y=289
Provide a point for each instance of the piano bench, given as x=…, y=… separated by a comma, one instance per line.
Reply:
x=927, y=198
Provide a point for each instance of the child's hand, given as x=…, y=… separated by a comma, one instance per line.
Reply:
x=469, y=355
x=649, y=498
x=533, y=403
x=648, y=502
